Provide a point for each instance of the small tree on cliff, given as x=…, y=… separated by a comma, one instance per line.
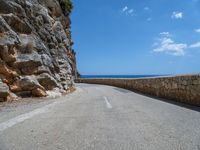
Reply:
x=66, y=5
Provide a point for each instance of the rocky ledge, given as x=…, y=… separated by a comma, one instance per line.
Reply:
x=36, y=52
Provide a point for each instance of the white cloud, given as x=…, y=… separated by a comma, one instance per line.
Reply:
x=195, y=45
x=166, y=34
x=177, y=15
x=146, y=8
x=197, y=30
x=167, y=45
x=149, y=19
x=128, y=11
x=125, y=9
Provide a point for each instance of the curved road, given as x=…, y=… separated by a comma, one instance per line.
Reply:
x=97, y=117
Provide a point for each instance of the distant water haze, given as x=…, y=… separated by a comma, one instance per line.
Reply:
x=120, y=76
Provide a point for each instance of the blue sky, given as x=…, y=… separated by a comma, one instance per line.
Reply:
x=136, y=37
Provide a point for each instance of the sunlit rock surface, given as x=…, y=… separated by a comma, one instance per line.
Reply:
x=36, y=52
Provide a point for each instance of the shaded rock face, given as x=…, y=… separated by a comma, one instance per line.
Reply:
x=4, y=92
x=35, y=47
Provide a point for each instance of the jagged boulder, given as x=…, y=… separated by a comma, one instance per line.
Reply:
x=7, y=35
x=17, y=24
x=28, y=63
x=47, y=81
x=11, y=6
x=7, y=54
x=28, y=86
x=7, y=74
x=4, y=92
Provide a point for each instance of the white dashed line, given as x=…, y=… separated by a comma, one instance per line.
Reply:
x=7, y=124
x=108, y=105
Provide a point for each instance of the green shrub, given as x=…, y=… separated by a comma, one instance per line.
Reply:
x=68, y=5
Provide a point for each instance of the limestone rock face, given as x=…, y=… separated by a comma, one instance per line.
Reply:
x=36, y=52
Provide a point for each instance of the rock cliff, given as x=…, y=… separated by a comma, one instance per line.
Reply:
x=36, y=52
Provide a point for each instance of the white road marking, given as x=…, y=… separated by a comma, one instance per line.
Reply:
x=108, y=105
x=7, y=124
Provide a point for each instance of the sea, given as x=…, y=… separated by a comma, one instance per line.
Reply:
x=120, y=76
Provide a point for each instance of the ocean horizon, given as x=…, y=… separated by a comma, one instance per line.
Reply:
x=119, y=76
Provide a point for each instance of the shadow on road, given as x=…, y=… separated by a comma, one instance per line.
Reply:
x=192, y=107
x=122, y=90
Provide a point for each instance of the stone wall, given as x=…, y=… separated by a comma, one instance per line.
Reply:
x=184, y=89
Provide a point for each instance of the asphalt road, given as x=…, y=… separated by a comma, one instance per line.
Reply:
x=97, y=117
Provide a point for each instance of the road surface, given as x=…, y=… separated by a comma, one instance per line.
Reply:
x=97, y=117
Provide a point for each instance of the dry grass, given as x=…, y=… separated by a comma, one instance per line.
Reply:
x=27, y=48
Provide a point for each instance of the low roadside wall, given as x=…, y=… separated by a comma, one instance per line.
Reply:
x=184, y=89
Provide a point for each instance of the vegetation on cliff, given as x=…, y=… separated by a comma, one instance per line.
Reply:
x=67, y=5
